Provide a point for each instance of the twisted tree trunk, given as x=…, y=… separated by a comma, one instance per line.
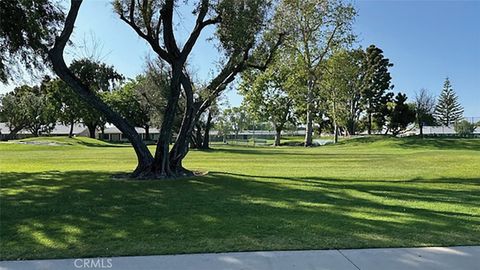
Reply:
x=144, y=157
x=161, y=167
x=181, y=146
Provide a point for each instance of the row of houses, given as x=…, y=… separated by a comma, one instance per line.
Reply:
x=110, y=133
x=113, y=134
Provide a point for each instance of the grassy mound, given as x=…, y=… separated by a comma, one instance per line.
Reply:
x=61, y=141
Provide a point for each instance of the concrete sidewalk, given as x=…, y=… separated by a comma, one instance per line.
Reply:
x=434, y=258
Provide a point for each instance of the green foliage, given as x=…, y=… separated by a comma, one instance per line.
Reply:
x=464, y=128
x=30, y=108
x=400, y=114
x=241, y=21
x=375, y=82
x=266, y=97
x=314, y=29
x=27, y=27
x=140, y=100
x=236, y=119
x=99, y=78
x=448, y=109
x=341, y=87
x=68, y=104
x=11, y=111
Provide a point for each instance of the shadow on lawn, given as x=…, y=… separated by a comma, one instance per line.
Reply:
x=441, y=143
x=414, y=142
x=102, y=144
x=84, y=213
x=298, y=151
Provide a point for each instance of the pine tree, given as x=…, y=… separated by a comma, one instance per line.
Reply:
x=376, y=81
x=448, y=109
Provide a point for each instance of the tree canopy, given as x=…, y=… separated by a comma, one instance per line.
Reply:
x=27, y=29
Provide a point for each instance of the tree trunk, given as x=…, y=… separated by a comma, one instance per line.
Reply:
x=91, y=129
x=13, y=133
x=369, y=123
x=147, y=132
x=278, y=135
x=309, y=130
x=144, y=157
x=206, y=136
x=181, y=146
x=335, y=132
x=35, y=132
x=420, y=126
x=196, y=137
x=162, y=158
x=351, y=124
x=309, y=127
x=70, y=133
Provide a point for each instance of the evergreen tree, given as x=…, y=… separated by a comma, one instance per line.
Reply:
x=376, y=81
x=400, y=114
x=448, y=109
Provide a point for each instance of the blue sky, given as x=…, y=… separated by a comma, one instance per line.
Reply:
x=425, y=40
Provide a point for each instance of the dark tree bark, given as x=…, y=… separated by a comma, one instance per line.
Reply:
x=162, y=157
x=92, y=127
x=197, y=137
x=181, y=146
x=278, y=135
x=335, y=132
x=369, y=124
x=206, y=136
x=147, y=132
x=13, y=133
x=144, y=157
x=309, y=126
x=70, y=133
x=169, y=163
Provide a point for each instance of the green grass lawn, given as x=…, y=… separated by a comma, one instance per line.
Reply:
x=60, y=200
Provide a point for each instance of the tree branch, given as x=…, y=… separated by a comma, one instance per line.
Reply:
x=168, y=35
x=154, y=42
x=199, y=25
x=55, y=55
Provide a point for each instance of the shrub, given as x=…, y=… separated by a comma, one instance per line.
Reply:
x=464, y=128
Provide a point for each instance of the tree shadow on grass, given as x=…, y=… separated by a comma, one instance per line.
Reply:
x=270, y=151
x=415, y=142
x=84, y=213
x=103, y=144
x=441, y=143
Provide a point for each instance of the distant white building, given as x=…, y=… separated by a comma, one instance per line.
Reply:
x=115, y=135
x=440, y=130
x=59, y=130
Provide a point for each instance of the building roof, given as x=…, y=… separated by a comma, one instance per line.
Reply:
x=59, y=129
x=442, y=130
x=115, y=130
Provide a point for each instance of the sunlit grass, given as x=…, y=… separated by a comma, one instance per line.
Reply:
x=61, y=201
